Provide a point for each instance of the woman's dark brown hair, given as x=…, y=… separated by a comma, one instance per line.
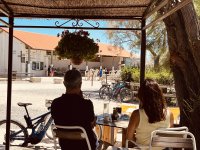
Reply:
x=152, y=100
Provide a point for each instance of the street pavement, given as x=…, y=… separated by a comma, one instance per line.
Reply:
x=37, y=93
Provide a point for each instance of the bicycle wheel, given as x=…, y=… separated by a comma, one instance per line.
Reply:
x=126, y=95
x=100, y=91
x=105, y=92
x=49, y=131
x=15, y=127
x=116, y=94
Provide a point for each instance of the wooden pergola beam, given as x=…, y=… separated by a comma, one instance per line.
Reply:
x=7, y=7
x=168, y=13
x=148, y=14
x=67, y=27
x=4, y=12
x=3, y=22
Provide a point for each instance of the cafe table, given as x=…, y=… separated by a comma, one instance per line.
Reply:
x=122, y=122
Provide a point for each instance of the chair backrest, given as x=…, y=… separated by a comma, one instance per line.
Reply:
x=172, y=139
x=71, y=133
x=183, y=128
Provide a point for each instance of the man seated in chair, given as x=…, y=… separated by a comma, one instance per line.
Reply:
x=71, y=109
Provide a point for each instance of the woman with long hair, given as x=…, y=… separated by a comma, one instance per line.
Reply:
x=151, y=115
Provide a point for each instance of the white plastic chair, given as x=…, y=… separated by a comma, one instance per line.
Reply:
x=117, y=148
x=172, y=139
x=183, y=128
x=72, y=133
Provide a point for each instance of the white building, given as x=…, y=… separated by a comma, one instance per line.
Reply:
x=33, y=53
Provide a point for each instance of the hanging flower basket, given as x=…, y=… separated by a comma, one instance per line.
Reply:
x=76, y=60
x=76, y=46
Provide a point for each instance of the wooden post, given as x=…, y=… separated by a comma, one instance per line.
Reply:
x=9, y=87
x=51, y=57
x=143, y=53
x=92, y=78
x=101, y=61
x=29, y=61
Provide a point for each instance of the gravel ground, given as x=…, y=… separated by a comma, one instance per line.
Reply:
x=37, y=93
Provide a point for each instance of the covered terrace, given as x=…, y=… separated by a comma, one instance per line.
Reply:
x=86, y=10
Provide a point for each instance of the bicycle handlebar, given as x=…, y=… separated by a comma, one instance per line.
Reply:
x=48, y=103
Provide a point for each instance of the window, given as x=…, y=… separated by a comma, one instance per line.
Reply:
x=37, y=65
x=48, y=52
x=22, y=59
x=41, y=65
x=33, y=65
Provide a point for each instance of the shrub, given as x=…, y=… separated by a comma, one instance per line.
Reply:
x=126, y=74
x=163, y=76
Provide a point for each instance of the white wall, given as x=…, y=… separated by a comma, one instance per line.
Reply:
x=107, y=63
x=3, y=53
x=64, y=64
x=18, y=46
x=38, y=56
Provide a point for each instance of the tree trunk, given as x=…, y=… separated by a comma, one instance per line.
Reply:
x=184, y=50
x=156, y=62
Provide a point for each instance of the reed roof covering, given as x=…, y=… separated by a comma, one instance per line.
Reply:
x=87, y=9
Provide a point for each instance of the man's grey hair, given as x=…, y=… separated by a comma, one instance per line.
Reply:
x=72, y=79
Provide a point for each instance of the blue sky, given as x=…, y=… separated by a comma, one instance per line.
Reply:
x=95, y=34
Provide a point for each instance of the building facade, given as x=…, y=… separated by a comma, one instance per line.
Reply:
x=34, y=52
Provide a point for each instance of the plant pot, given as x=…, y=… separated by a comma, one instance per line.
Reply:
x=76, y=60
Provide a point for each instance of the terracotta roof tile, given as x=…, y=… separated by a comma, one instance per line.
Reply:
x=48, y=42
x=110, y=50
x=36, y=40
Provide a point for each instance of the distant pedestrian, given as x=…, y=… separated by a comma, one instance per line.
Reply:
x=49, y=70
x=100, y=72
x=52, y=70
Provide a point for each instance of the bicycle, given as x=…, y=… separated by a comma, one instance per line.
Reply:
x=120, y=91
x=39, y=128
x=104, y=90
x=18, y=132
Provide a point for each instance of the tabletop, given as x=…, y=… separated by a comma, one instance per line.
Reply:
x=109, y=136
x=120, y=123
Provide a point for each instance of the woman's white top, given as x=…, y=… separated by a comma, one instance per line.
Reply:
x=143, y=132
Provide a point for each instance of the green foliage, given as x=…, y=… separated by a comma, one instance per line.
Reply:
x=126, y=74
x=156, y=39
x=197, y=6
x=76, y=45
x=163, y=76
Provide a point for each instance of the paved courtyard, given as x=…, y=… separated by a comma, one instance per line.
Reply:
x=37, y=93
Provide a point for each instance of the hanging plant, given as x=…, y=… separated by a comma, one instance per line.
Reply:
x=76, y=46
